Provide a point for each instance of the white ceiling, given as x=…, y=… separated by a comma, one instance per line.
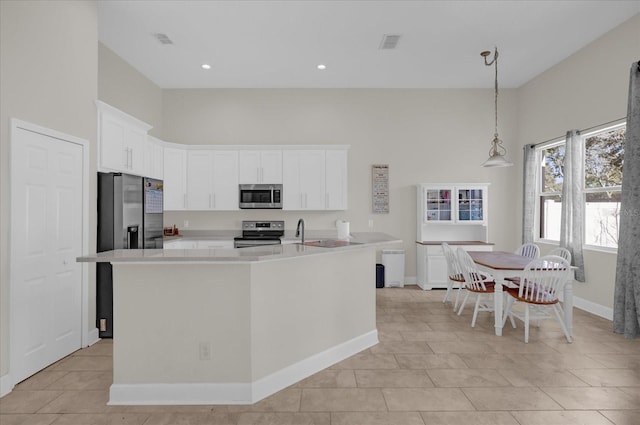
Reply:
x=278, y=44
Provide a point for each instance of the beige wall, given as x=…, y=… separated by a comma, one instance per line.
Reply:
x=123, y=87
x=425, y=136
x=587, y=89
x=48, y=76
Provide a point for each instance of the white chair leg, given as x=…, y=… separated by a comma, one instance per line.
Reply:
x=475, y=310
x=464, y=301
x=557, y=311
x=507, y=312
x=449, y=289
x=460, y=288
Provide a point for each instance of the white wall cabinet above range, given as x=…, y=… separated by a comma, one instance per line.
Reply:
x=260, y=166
x=212, y=180
x=121, y=141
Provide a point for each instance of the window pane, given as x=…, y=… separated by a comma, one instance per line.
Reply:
x=550, y=209
x=602, y=217
x=604, y=154
x=552, y=169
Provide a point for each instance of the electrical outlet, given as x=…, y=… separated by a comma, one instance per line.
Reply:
x=205, y=351
x=370, y=224
x=186, y=224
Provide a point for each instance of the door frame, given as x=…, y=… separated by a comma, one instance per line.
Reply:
x=88, y=336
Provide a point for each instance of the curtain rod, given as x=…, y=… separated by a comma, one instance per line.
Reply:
x=535, y=145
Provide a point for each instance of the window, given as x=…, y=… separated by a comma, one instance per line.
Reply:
x=603, y=156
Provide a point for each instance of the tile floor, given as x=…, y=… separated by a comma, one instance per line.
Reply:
x=430, y=368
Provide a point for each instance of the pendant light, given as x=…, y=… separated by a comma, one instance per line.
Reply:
x=497, y=152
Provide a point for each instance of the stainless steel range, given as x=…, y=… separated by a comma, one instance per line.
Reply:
x=257, y=233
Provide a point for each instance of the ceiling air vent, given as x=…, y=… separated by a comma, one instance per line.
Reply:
x=163, y=38
x=389, y=41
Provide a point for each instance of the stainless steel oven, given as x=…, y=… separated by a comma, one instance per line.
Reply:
x=266, y=196
x=257, y=233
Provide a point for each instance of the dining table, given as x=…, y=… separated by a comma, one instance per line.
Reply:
x=502, y=265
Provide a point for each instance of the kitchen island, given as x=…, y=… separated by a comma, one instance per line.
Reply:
x=232, y=326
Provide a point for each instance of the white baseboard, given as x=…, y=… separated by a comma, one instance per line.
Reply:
x=92, y=337
x=6, y=385
x=593, y=308
x=238, y=393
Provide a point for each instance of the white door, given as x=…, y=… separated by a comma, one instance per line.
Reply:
x=46, y=238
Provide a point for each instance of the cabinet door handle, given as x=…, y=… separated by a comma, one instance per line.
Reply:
x=326, y=200
x=130, y=158
x=184, y=201
x=210, y=201
x=125, y=157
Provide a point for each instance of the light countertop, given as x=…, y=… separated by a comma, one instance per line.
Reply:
x=251, y=254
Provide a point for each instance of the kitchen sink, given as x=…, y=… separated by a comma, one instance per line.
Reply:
x=330, y=243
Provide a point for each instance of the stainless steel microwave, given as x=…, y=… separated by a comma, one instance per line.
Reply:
x=256, y=196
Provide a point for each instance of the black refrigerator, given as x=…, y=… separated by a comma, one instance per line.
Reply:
x=129, y=217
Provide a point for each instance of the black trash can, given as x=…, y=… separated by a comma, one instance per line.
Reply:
x=379, y=276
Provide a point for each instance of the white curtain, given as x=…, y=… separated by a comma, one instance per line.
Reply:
x=572, y=214
x=626, y=302
x=529, y=194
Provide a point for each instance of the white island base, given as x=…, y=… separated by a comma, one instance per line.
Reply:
x=234, y=332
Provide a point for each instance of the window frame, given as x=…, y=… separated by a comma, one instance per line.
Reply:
x=538, y=186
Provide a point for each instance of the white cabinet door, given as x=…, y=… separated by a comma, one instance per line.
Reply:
x=154, y=158
x=199, y=180
x=260, y=167
x=271, y=166
x=225, y=180
x=122, y=140
x=175, y=179
x=303, y=175
x=215, y=244
x=336, y=180
x=212, y=180
x=113, y=155
x=134, y=141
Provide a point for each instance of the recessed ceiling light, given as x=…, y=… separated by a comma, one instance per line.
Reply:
x=321, y=66
x=206, y=66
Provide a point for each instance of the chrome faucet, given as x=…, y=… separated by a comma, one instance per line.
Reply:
x=300, y=225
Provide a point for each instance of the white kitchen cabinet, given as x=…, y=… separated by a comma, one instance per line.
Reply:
x=154, y=158
x=175, y=179
x=179, y=244
x=432, y=264
x=260, y=166
x=215, y=244
x=121, y=141
x=303, y=179
x=212, y=180
x=336, y=179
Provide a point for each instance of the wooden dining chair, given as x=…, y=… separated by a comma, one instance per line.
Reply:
x=542, y=280
x=530, y=250
x=476, y=284
x=454, y=274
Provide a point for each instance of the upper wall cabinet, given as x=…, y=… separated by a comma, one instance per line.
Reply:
x=212, y=180
x=260, y=166
x=336, y=179
x=122, y=141
x=154, y=158
x=303, y=175
x=175, y=179
x=452, y=211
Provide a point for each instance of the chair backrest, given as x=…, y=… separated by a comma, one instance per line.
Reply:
x=473, y=279
x=562, y=252
x=543, y=278
x=530, y=250
x=453, y=266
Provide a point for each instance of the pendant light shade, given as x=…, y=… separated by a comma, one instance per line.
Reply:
x=497, y=152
